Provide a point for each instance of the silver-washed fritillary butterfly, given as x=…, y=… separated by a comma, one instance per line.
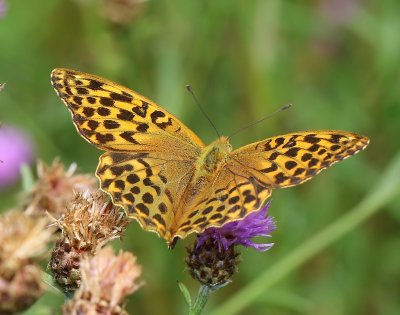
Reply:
x=166, y=178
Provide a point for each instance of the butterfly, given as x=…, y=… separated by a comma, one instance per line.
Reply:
x=166, y=178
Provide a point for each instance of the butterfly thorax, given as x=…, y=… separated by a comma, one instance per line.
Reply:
x=213, y=157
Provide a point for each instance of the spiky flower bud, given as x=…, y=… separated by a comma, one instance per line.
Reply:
x=88, y=223
x=210, y=266
x=56, y=187
x=107, y=279
x=22, y=240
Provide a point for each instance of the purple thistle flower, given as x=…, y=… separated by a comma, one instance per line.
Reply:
x=15, y=150
x=241, y=232
x=339, y=12
x=3, y=8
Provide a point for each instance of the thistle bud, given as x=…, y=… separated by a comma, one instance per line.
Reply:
x=210, y=266
x=23, y=239
x=213, y=259
x=107, y=279
x=89, y=222
x=56, y=187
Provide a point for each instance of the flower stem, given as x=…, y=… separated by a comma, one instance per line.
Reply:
x=387, y=188
x=202, y=298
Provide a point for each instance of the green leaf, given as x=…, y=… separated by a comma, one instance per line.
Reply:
x=49, y=280
x=27, y=178
x=185, y=293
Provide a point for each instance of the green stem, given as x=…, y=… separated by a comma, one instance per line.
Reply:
x=387, y=188
x=202, y=298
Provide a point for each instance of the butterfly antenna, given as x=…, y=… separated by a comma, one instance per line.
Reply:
x=284, y=107
x=190, y=90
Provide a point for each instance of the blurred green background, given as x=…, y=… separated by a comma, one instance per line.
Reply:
x=336, y=61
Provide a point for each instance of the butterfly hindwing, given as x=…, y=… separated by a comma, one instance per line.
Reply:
x=229, y=197
x=147, y=187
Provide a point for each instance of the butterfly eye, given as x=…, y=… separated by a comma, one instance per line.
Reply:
x=229, y=147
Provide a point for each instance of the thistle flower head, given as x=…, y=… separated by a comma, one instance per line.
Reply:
x=210, y=266
x=56, y=187
x=213, y=259
x=16, y=149
x=122, y=12
x=107, y=279
x=22, y=240
x=3, y=11
x=242, y=231
x=89, y=222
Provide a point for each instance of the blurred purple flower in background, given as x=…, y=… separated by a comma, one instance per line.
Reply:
x=339, y=11
x=257, y=223
x=3, y=8
x=15, y=150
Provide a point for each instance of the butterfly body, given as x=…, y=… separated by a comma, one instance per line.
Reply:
x=213, y=157
x=167, y=179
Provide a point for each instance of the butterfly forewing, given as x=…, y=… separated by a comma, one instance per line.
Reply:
x=291, y=159
x=116, y=118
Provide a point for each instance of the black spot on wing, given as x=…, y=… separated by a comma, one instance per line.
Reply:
x=125, y=115
x=290, y=165
x=104, y=138
x=143, y=209
x=81, y=90
x=132, y=178
x=95, y=85
x=103, y=111
x=91, y=100
x=311, y=138
x=141, y=110
x=292, y=152
x=128, y=136
x=106, y=101
x=88, y=111
x=111, y=124
x=93, y=125
x=120, y=97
